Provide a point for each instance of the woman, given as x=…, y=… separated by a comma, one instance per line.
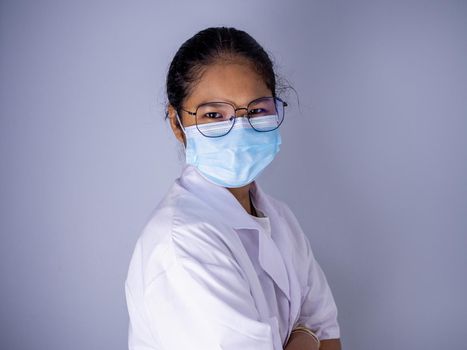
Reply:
x=221, y=264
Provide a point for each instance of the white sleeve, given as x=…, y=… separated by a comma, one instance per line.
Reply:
x=139, y=334
x=204, y=306
x=318, y=311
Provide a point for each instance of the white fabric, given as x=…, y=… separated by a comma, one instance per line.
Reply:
x=205, y=274
x=278, y=303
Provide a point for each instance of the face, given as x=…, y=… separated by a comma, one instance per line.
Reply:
x=235, y=82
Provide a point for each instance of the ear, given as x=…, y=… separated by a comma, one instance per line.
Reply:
x=177, y=130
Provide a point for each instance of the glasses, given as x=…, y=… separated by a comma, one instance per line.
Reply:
x=263, y=114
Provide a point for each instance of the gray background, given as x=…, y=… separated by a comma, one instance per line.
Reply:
x=373, y=162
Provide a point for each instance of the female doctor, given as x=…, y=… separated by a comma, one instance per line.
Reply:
x=221, y=265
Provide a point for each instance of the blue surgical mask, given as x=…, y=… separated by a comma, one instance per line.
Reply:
x=235, y=159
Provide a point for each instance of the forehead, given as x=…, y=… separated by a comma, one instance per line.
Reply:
x=235, y=82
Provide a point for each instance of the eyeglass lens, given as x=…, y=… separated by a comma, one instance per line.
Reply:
x=264, y=114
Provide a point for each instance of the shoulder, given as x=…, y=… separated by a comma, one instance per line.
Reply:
x=181, y=227
x=285, y=213
x=274, y=205
x=290, y=226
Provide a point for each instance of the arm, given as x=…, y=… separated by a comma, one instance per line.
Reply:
x=318, y=310
x=190, y=292
x=195, y=305
x=301, y=341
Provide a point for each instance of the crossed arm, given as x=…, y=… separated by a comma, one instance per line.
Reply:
x=301, y=341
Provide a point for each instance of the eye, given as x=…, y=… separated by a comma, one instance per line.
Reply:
x=213, y=115
x=256, y=111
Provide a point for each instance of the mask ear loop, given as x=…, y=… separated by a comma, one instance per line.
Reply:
x=183, y=129
x=180, y=123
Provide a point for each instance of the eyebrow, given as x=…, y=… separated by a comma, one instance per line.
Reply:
x=228, y=101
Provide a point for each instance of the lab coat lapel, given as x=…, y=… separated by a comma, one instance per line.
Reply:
x=281, y=235
x=267, y=256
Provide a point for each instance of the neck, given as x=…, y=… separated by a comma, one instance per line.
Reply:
x=242, y=194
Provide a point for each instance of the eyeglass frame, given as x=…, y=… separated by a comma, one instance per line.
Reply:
x=284, y=104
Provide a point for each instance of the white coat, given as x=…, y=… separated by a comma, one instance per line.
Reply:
x=193, y=284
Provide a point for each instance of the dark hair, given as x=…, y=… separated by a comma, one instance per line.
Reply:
x=207, y=47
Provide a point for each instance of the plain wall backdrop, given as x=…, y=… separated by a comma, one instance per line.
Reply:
x=373, y=161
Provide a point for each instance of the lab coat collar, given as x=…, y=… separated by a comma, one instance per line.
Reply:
x=231, y=211
x=219, y=198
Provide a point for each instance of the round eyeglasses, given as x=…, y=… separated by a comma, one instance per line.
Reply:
x=264, y=114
